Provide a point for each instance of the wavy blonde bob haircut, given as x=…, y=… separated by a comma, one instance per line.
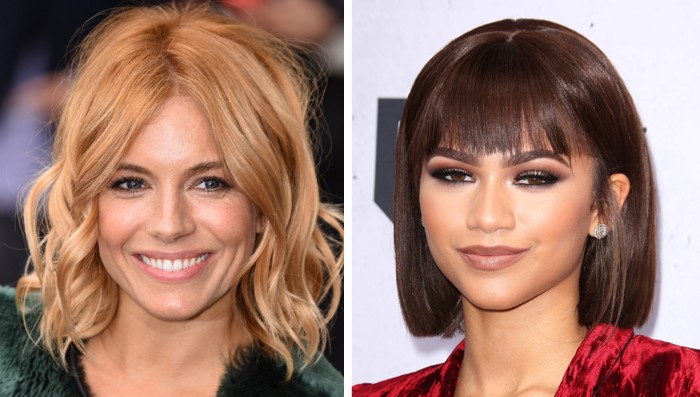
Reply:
x=257, y=99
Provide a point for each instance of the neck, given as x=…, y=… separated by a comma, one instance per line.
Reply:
x=138, y=349
x=523, y=350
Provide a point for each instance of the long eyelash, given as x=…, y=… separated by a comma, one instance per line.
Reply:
x=548, y=177
x=441, y=174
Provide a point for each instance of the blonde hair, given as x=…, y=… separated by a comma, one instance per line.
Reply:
x=258, y=101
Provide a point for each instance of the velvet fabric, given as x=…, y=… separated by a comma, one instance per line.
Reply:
x=29, y=371
x=610, y=362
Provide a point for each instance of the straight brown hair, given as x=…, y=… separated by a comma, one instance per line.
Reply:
x=528, y=83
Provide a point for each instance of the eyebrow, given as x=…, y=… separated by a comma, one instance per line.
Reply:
x=510, y=161
x=196, y=169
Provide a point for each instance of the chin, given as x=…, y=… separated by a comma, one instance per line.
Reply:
x=176, y=304
x=492, y=305
x=172, y=306
x=174, y=311
x=494, y=300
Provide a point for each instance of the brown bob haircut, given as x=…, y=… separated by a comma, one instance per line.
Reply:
x=528, y=83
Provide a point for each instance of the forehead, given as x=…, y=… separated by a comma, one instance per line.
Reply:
x=178, y=131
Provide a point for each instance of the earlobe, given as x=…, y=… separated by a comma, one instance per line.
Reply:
x=595, y=224
x=259, y=223
x=620, y=187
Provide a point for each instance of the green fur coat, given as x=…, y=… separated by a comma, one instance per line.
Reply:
x=26, y=370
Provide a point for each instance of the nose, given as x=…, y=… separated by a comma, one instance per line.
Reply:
x=172, y=216
x=490, y=208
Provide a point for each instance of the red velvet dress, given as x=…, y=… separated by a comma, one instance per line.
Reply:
x=621, y=364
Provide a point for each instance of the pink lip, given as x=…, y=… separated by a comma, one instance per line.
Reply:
x=491, y=258
x=173, y=277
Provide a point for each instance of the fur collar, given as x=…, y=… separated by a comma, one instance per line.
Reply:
x=27, y=370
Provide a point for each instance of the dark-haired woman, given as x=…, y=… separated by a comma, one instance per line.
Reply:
x=529, y=223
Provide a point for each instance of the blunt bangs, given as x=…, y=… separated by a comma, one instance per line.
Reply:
x=502, y=97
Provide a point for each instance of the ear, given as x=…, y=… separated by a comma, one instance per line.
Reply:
x=259, y=222
x=620, y=187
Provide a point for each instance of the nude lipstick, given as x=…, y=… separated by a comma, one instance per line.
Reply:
x=491, y=258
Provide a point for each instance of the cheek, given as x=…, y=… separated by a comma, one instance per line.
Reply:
x=231, y=221
x=558, y=229
x=117, y=221
x=441, y=214
x=557, y=218
x=444, y=218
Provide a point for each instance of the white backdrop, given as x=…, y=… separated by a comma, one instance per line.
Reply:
x=656, y=49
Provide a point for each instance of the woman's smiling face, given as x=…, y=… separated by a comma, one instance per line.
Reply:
x=173, y=231
x=505, y=229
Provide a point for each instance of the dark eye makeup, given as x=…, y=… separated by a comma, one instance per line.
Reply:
x=452, y=175
x=535, y=178
x=529, y=179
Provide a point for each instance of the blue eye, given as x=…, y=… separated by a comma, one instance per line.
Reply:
x=536, y=179
x=212, y=184
x=128, y=184
x=452, y=175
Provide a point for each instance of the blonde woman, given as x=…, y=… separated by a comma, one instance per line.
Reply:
x=176, y=239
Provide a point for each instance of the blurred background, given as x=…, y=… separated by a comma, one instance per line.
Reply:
x=37, y=39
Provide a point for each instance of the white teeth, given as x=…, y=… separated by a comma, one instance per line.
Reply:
x=173, y=265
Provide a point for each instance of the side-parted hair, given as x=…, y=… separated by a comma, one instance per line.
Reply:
x=257, y=98
x=523, y=83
